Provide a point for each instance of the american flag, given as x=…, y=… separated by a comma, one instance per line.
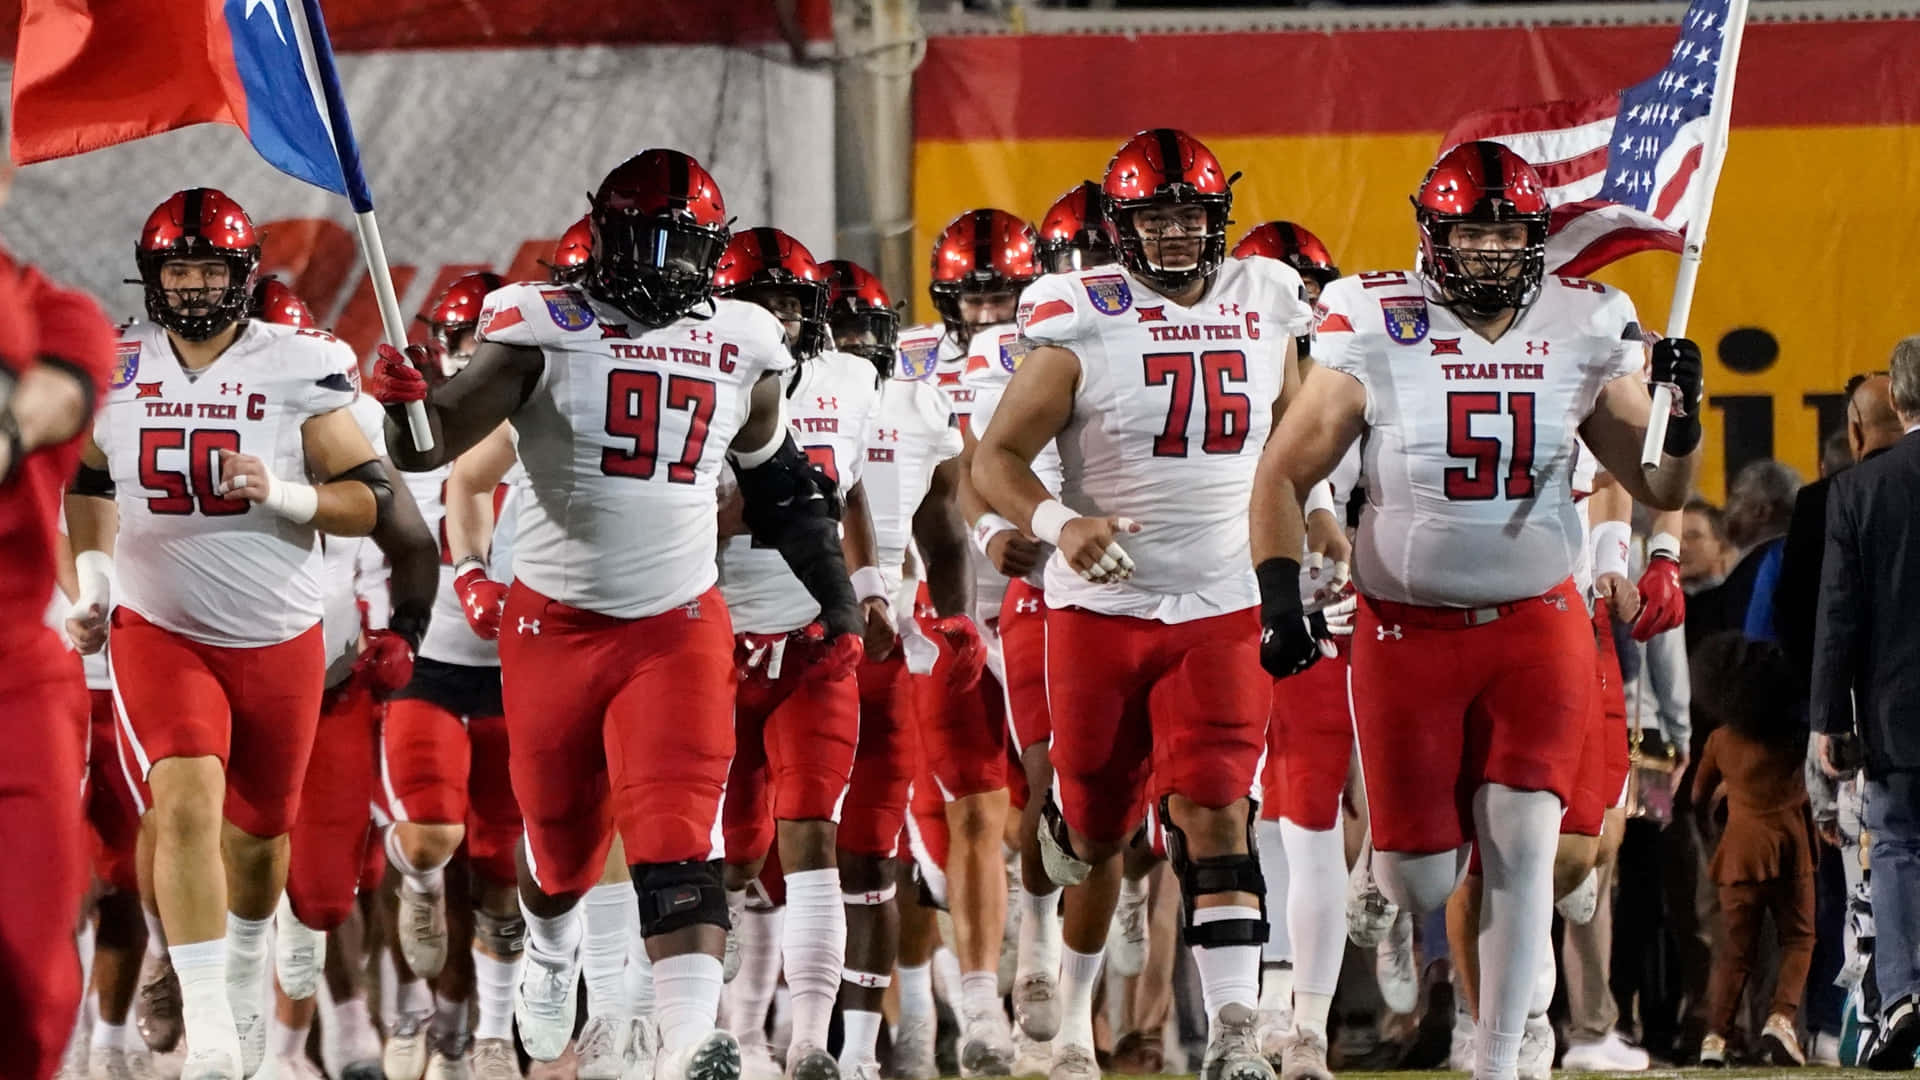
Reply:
x=1622, y=170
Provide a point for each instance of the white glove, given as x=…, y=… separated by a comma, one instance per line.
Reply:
x=1339, y=615
x=87, y=616
x=1321, y=581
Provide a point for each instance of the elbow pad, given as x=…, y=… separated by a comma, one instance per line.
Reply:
x=784, y=488
x=374, y=475
x=91, y=481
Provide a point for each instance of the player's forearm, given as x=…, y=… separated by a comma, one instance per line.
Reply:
x=345, y=508
x=1005, y=481
x=857, y=544
x=972, y=506
x=402, y=536
x=942, y=539
x=49, y=404
x=92, y=522
x=1669, y=485
x=1278, y=526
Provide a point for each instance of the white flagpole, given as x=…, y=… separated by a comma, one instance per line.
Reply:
x=1713, y=152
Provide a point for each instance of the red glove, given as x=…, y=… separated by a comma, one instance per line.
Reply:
x=969, y=652
x=845, y=653
x=483, y=600
x=397, y=378
x=1663, y=604
x=386, y=662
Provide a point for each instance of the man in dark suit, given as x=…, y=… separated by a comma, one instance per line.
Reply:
x=1866, y=690
x=1872, y=429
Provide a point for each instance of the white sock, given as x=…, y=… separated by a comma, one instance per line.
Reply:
x=430, y=880
x=553, y=938
x=1039, y=937
x=156, y=934
x=414, y=999
x=751, y=992
x=1543, y=982
x=639, y=968
x=109, y=1036
x=861, y=1036
x=686, y=998
x=946, y=977
x=814, y=948
x=1276, y=986
x=979, y=995
x=205, y=1010
x=1316, y=909
x=916, y=992
x=1519, y=832
x=449, y=1017
x=389, y=991
x=603, y=951
x=1274, y=868
x=1228, y=973
x=83, y=942
x=493, y=992
x=246, y=944
x=350, y=1020
x=1310, y=1011
x=1079, y=974
x=1133, y=890
x=285, y=1041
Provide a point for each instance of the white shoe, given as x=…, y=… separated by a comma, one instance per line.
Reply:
x=1304, y=1057
x=716, y=1057
x=603, y=1047
x=1272, y=1026
x=913, y=1050
x=1233, y=1051
x=423, y=929
x=1609, y=1054
x=1073, y=1062
x=1578, y=907
x=1031, y=1057
x=1393, y=966
x=986, y=1045
x=450, y=1058
x=248, y=1000
x=405, y=1055
x=1460, y=1047
x=294, y=1068
x=1127, y=936
x=1536, y=1049
x=730, y=954
x=299, y=953
x=1369, y=913
x=350, y=1057
x=212, y=1063
x=643, y=1048
x=494, y=1059
x=119, y=1065
x=866, y=1070
x=757, y=1063
x=1825, y=1049
x=1036, y=1006
x=544, y=1001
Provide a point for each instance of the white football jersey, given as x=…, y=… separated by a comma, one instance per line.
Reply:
x=831, y=401
x=1169, y=418
x=450, y=639
x=218, y=570
x=914, y=429
x=1470, y=446
x=623, y=440
x=930, y=352
x=992, y=358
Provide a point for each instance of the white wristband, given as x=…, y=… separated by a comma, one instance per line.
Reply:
x=1664, y=546
x=1321, y=498
x=95, y=572
x=1049, y=518
x=474, y=561
x=290, y=499
x=1610, y=540
x=990, y=525
x=869, y=584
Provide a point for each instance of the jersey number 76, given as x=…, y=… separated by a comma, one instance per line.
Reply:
x=1228, y=414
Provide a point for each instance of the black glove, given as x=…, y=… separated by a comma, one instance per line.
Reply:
x=1288, y=642
x=1677, y=362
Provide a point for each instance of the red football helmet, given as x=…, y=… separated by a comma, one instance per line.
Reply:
x=1482, y=183
x=767, y=267
x=276, y=303
x=1162, y=169
x=457, y=312
x=198, y=223
x=1293, y=245
x=658, y=227
x=570, y=255
x=1073, y=235
x=863, y=319
x=981, y=251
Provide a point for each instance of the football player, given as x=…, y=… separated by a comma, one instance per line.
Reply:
x=198, y=475
x=56, y=349
x=911, y=472
x=981, y=261
x=625, y=394
x=1073, y=234
x=797, y=716
x=1466, y=454
x=1158, y=380
x=1294, y=245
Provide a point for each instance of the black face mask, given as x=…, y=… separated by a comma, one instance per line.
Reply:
x=654, y=269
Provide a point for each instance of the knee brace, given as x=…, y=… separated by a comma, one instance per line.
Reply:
x=677, y=895
x=1063, y=867
x=502, y=936
x=1213, y=875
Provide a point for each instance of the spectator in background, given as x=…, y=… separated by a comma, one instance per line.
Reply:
x=1759, y=510
x=1835, y=455
x=1705, y=554
x=1866, y=691
x=1763, y=863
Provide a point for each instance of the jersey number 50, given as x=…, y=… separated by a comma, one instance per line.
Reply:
x=633, y=412
x=184, y=492
x=1480, y=479
x=1228, y=413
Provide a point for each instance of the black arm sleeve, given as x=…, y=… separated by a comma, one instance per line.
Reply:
x=792, y=506
x=402, y=536
x=91, y=481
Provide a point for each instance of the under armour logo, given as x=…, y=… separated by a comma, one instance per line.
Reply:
x=1536, y=348
x=875, y=898
x=864, y=978
x=530, y=626
x=1558, y=600
x=887, y=434
x=1026, y=604
x=1382, y=633
x=697, y=334
x=1229, y=309
x=231, y=388
x=827, y=402
x=691, y=607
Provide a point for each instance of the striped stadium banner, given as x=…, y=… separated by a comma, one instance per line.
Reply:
x=1806, y=277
